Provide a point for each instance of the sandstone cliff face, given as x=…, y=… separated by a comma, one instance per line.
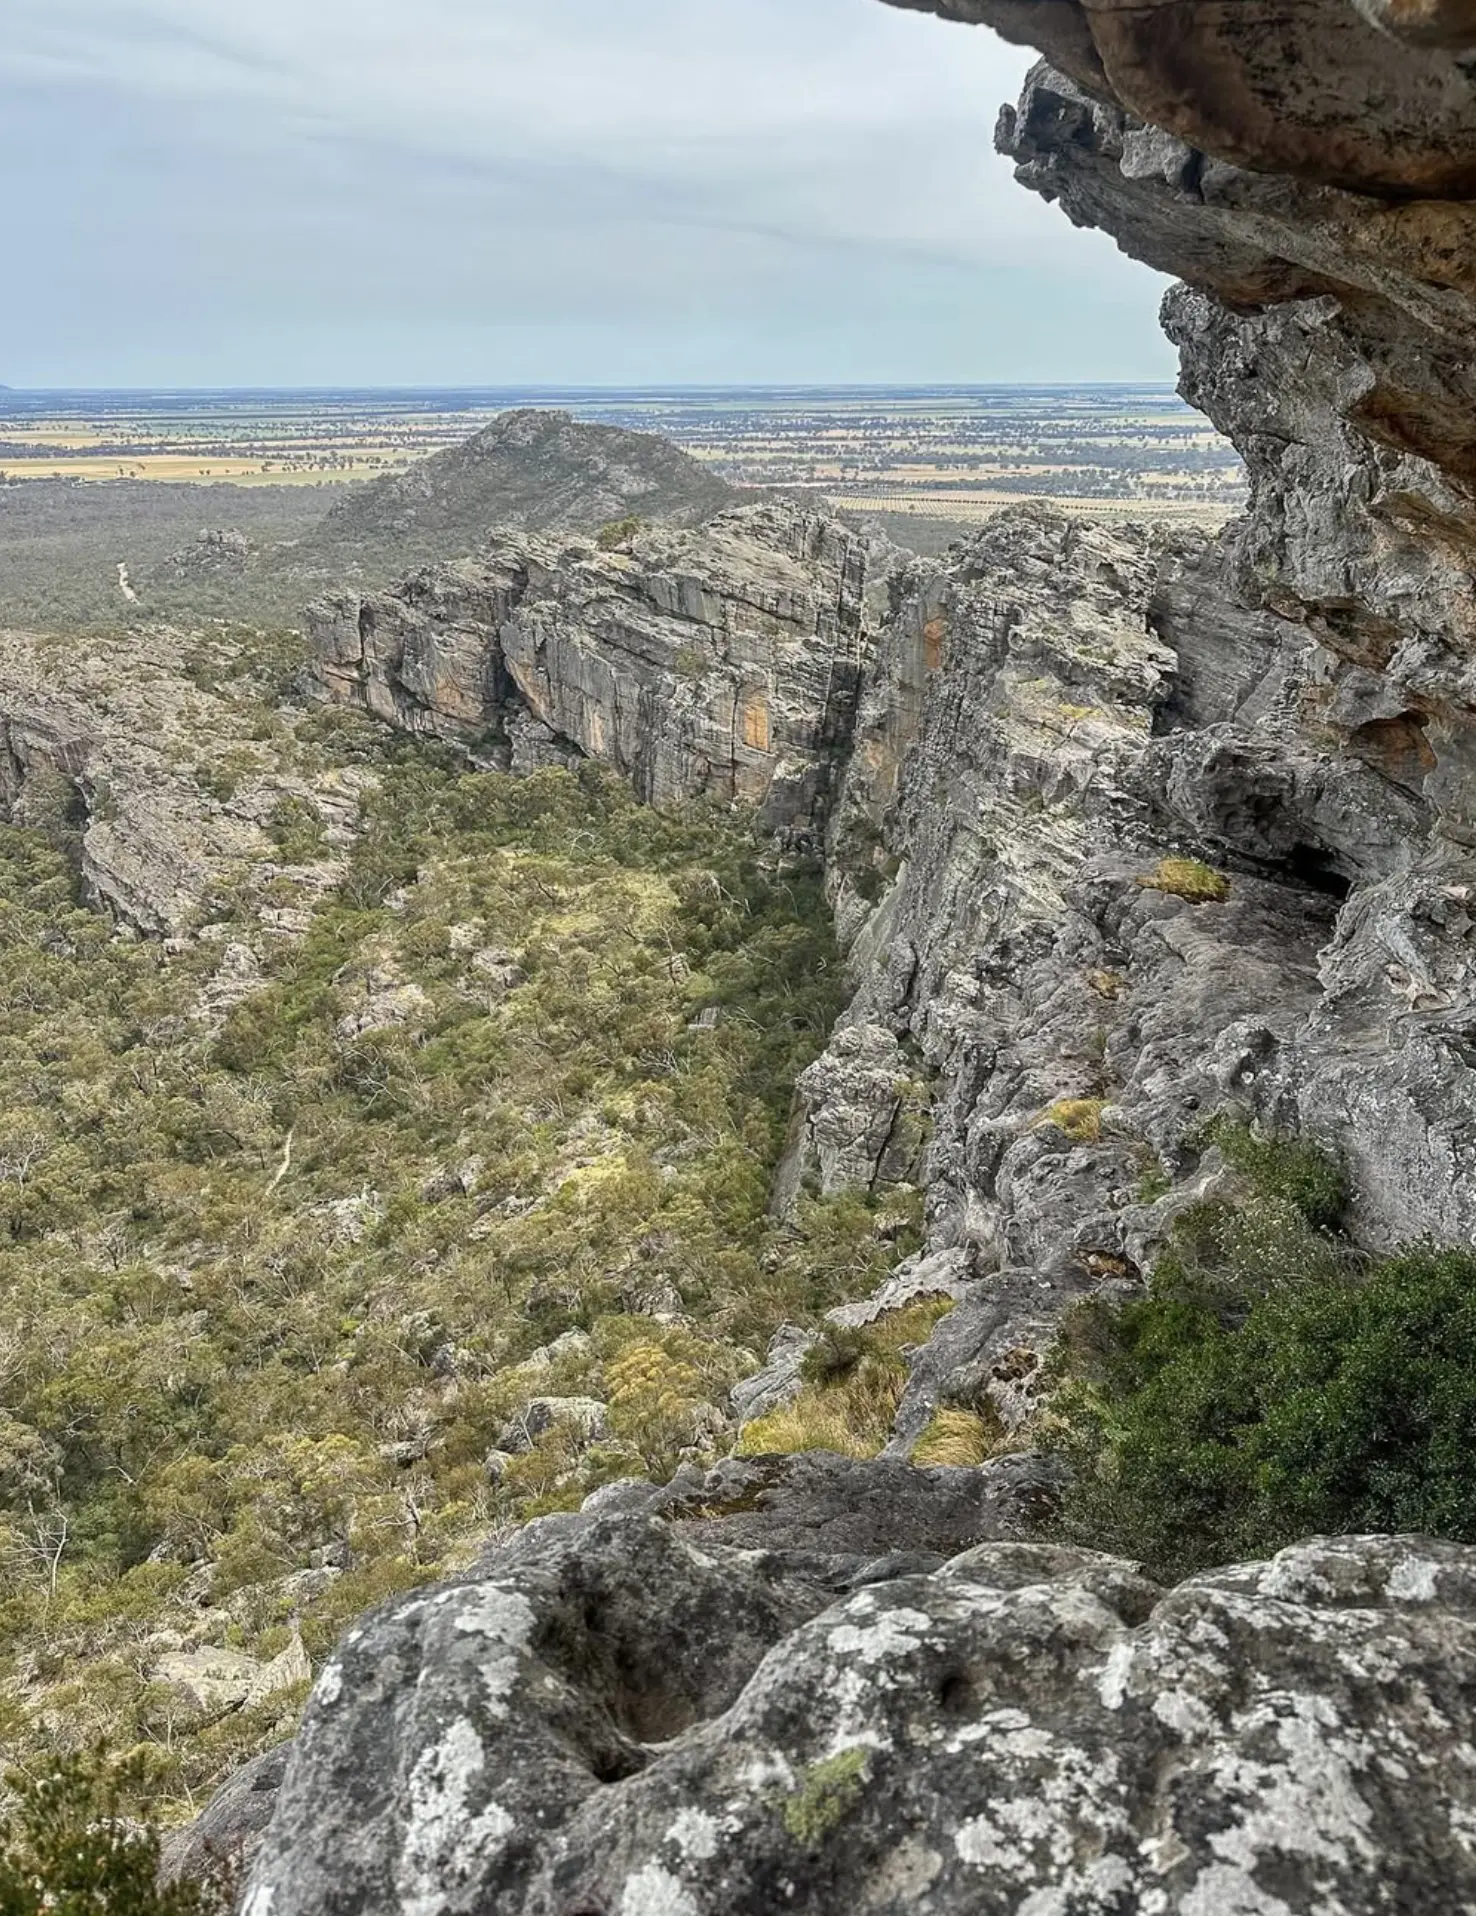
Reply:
x=722, y=662
x=1301, y=708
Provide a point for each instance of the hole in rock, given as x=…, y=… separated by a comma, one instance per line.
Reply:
x=956, y=1694
x=1311, y=865
x=1397, y=748
x=615, y=1765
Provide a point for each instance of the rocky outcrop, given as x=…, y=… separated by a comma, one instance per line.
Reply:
x=720, y=662
x=610, y=1716
x=160, y=789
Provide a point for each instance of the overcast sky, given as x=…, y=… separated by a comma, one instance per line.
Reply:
x=492, y=192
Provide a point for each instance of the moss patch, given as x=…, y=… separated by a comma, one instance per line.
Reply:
x=828, y=1793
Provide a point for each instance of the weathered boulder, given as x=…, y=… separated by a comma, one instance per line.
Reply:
x=605, y=1718
x=208, y=1683
x=223, y=1842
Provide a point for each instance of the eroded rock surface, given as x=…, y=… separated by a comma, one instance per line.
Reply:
x=1057, y=710
x=722, y=662
x=159, y=782
x=608, y=1718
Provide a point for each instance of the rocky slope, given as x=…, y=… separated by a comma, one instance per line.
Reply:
x=165, y=761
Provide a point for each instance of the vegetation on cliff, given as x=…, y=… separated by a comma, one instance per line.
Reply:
x=1271, y=1384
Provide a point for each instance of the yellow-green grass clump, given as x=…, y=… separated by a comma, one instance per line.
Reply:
x=1188, y=878
x=1079, y=1118
x=958, y=1439
x=855, y=1383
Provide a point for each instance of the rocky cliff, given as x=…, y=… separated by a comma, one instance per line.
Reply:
x=1059, y=712
x=722, y=662
x=1135, y=829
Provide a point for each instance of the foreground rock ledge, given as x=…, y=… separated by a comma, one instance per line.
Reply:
x=622, y=1717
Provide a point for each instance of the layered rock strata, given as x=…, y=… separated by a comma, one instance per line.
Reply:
x=721, y=662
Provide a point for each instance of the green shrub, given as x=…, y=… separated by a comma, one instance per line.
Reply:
x=1337, y=1402
x=70, y=1848
x=1292, y=1169
x=618, y=532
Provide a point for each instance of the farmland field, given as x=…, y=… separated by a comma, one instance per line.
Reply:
x=953, y=454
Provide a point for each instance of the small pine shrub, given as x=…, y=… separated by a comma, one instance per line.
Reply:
x=618, y=532
x=1188, y=878
x=1336, y=1405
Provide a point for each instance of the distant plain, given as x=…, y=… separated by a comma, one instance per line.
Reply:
x=955, y=454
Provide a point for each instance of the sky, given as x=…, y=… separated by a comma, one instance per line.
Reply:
x=504, y=192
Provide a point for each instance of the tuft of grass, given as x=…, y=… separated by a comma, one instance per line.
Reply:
x=1188, y=878
x=827, y=1794
x=958, y=1439
x=1079, y=1118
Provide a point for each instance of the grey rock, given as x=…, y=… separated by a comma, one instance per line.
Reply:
x=780, y=1380
x=722, y=661
x=586, y=1415
x=606, y=1718
x=223, y=1842
x=942, y=1274
x=209, y=1682
x=536, y=469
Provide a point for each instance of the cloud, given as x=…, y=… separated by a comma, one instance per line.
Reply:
x=487, y=191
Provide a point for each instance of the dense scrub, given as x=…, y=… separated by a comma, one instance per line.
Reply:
x=277, y=1276
x=64, y=540
x=1271, y=1385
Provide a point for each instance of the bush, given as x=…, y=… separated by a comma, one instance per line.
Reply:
x=1335, y=1405
x=618, y=532
x=69, y=1849
x=855, y=1380
x=1291, y=1169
